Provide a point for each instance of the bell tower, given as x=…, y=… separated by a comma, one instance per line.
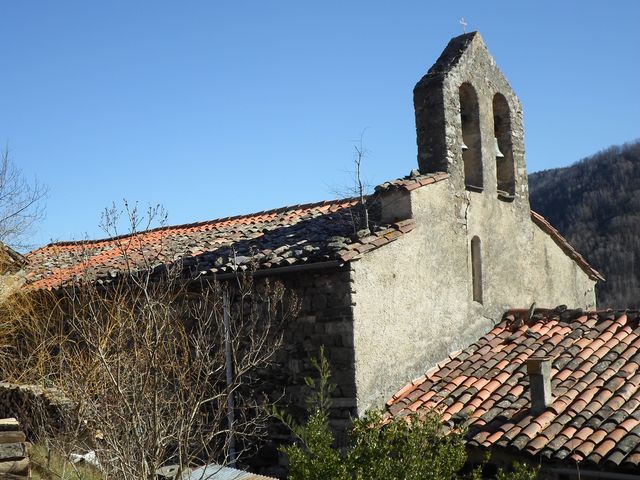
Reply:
x=469, y=122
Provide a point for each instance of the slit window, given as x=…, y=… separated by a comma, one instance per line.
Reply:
x=503, y=147
x=471, y=141
x=476, y=268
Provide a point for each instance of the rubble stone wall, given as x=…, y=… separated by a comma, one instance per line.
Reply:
x=325, y=319
x=39, y=410
x=14, y=450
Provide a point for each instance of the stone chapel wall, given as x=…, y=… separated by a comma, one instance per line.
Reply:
x=325, y=319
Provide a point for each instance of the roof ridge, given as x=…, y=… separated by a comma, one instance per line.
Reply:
x=414, y=180
x=586, y=311
x=409, y=182
x=558, y=309
x=516, y=317
x=196, y=224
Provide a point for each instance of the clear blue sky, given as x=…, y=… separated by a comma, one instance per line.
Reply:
x=221, y=108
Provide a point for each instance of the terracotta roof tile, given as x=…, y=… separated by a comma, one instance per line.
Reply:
x=595, y=414
x=412, y=181
x=302, y=234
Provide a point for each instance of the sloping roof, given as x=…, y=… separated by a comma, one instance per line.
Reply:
x=296, y=235
x=595, y=415
x=566, y=247
x=412, y=181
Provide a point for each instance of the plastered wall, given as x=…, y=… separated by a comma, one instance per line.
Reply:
x=413, y=301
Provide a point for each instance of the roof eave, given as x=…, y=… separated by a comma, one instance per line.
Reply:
x=565, y=246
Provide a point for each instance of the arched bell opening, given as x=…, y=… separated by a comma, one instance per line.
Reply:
x=471, y=139
x=503, y=148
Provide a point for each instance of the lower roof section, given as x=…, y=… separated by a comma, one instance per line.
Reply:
x=594, y=417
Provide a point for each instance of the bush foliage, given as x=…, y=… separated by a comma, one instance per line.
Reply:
x=417, y=447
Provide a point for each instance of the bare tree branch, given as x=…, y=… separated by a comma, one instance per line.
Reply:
x=145, y=359
x=21, y=204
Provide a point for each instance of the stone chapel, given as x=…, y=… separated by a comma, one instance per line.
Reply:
x=448, y=248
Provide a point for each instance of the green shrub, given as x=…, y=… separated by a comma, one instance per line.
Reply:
x=415, y=447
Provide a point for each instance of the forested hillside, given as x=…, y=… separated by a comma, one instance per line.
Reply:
x=595, y=203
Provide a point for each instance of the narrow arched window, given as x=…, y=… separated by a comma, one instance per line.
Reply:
x=471, y=140
x=476, y=268
x=503, y=147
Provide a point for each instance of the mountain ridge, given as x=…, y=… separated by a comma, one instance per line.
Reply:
x=595, y=204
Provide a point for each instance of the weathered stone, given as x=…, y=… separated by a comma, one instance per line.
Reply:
x=9, y=425
x=319, y=302
x=344, y=402
x=11, y=451
x=15, y=467
x=12, y=437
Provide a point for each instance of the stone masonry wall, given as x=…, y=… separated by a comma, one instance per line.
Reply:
x=325, y=318
x=39, y=410
x=14, y=451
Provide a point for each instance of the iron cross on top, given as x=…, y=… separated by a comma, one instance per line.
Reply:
x=464, y=25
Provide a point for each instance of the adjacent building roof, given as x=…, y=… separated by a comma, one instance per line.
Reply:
x=218, y=472
x=595, y=415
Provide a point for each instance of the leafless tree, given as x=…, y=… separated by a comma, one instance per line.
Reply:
x=360, y=186
x=21, y=204
x=358, y=189
x=160, y=369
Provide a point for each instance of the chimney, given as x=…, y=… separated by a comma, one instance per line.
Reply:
x=539, y=370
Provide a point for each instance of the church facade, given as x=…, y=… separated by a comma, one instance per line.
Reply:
x=475, y=247
x=446, y=251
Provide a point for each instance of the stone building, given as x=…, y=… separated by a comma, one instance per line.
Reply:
x=450, y=247
x=447, y=250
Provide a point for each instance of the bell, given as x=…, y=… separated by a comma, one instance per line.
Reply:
x=496, y=148
x=463, y=146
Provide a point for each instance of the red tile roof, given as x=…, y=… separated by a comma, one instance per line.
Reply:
x=296, y=235
x=594, y=418
x=412, y=181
